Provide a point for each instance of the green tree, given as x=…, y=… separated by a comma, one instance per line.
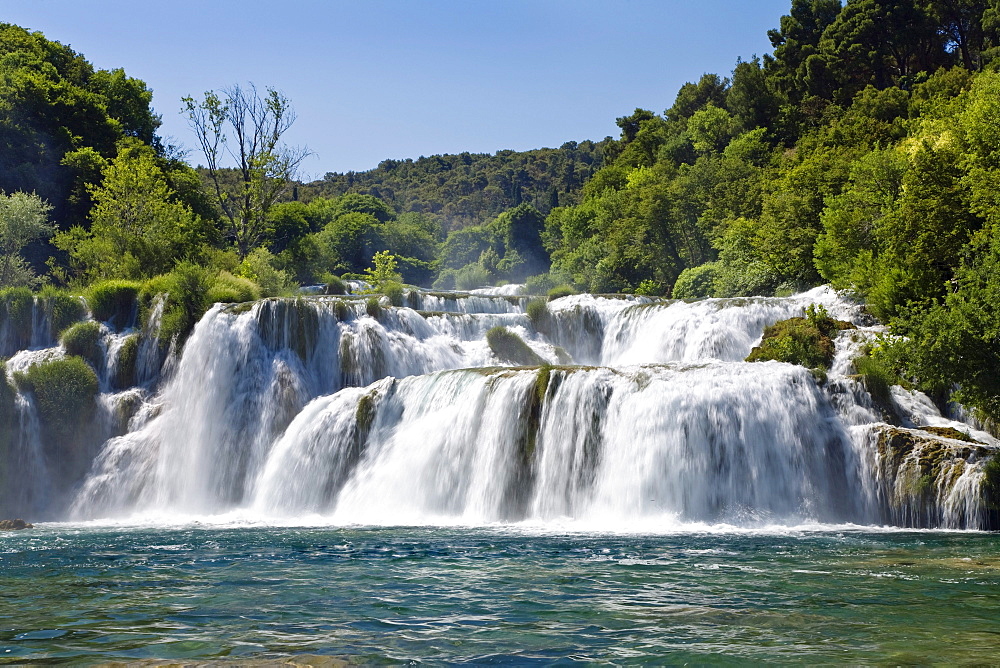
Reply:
x=23, y=218
x=137, y=228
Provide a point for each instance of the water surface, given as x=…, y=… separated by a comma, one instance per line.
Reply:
x=499, y=594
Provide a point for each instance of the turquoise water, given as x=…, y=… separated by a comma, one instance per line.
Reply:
x=504, y=594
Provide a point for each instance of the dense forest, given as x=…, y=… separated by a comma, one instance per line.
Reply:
x=863, y=151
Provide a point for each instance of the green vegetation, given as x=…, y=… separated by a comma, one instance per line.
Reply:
x=114, y=301
x=62, y=308
x=511, y=348
x=804, y=341
x=64, y=390
x=125, y=364
x=84, y=340
x=16, y=306
x=561, y=291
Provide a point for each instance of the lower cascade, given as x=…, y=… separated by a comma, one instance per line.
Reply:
x=638, y=413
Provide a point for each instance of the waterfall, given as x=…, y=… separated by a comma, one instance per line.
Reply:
x=324, y=406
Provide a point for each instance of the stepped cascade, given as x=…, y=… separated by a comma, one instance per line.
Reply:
x=644, y=414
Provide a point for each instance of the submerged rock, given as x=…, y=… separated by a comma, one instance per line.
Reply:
x=15, y=525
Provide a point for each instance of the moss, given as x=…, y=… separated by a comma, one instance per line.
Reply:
x=62, y=309
x=114, y=302
x=289, y=323
x=373, y=306
x=16, y=306
x=804, y=341
x=991, y=485
x=83, y=340
x=187, y=289
x=64, y=390
x=563, y=290
x=509, y=347
x=542, y=381
x=538, y=313
x=125, y=365
x=341, y=310
x=365, y=414
x=950, y=432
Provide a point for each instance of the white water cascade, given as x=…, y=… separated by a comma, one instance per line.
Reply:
x=317, y=407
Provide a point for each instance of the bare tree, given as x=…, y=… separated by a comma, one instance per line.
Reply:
x=240, y=127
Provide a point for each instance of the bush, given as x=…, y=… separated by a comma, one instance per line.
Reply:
x=697, y=282
x=114, y=301
x=538, y=313
x=394, y=291
x=16, y=305
x=64, y=391
x=471, y=276
x=563, y=290
x=84, y=340
x=229, y=289
x=539, y=285
x=259, y=267
x=373, y=306
x=796, y=341
x=62, y=309
x=509, y=347
x=187, y=289
x=445, y=280
x=334, y=285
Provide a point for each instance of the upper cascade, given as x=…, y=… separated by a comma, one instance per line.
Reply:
x=642, y=412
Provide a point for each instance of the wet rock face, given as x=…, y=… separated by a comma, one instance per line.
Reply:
x=14, y=525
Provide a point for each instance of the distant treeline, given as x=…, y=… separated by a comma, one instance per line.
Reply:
x=470, y=188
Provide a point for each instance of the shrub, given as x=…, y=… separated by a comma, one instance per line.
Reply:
x=563, y=290
x=509, y=347
x=697, y=282
x=538, y=314
x=445, y=280
x=187, y=299
x=16, y=305
x=796, y=341
x=373, y=306
x=84, y=340
x=64, y=391
x=259, y=267
x=394, y=291
x=229, y=289
x=114, y=301
x=539, y=285
x=471, y=276
x=334, y=285
x=62, y=309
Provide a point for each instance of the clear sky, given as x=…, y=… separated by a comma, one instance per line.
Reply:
x=376, y=79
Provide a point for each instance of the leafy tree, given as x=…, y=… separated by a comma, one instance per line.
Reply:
x=137, y=229
x=23, y=218
x=242, y=126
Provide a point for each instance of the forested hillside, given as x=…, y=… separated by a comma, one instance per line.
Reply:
x=470, y=188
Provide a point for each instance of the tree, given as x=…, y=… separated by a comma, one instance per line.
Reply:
x=241, y=126
x=23, y=218
x=138, y=229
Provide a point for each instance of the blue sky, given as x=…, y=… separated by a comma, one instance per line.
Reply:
x=378, y=79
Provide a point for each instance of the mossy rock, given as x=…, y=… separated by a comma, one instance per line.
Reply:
x=8, y=415
x=65, y=391
x=511, y=348
x=114, y=302
x=84, y=340
x=126, y=363
x=805, y=341
x=950, y=432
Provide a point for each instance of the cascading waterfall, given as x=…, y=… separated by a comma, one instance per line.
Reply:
x=316, y=407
